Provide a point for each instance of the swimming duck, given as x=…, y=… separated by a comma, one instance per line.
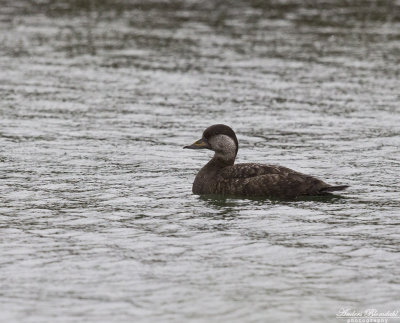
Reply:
x=221, y=176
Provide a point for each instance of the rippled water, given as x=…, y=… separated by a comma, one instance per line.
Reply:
x=97, y=99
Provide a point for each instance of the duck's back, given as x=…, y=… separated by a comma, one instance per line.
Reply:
x=268, y=180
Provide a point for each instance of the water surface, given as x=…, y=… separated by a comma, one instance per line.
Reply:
x=97, y=99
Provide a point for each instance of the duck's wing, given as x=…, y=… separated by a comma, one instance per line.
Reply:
x=271, y=180
x=248, y=170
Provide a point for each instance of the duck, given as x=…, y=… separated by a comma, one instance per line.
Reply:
x=221, y=176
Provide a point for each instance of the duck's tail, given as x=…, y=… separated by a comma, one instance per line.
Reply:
x=334, y=188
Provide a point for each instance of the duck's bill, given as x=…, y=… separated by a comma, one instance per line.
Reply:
x=199, y=144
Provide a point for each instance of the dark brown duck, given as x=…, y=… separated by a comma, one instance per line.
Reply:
x=221, y=176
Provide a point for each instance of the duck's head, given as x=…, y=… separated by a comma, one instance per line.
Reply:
x=219, y=138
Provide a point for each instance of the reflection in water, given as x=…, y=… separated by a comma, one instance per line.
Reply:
x=97, y=218
x=221, y=200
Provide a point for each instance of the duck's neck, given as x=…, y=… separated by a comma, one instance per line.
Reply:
x=221, y=161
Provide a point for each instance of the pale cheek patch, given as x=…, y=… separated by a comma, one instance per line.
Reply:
x=224, y=147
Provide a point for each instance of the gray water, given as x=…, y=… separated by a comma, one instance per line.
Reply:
x=97, y=99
